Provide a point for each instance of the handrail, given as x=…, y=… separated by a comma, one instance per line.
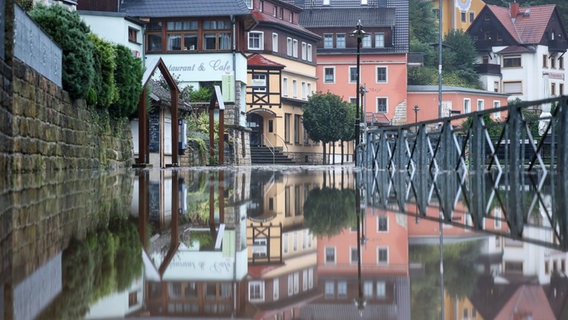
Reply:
x=271, y=148
x=282, y=139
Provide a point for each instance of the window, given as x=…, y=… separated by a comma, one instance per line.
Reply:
x=328, y=40
x=281, y=13
x=561, y=89
x=132, y=35
x=284, y=87
x=382, y=223
x=295, y=48
x=329, y=289
x=304, y=93
x=259, y=82
x=340, y=40
x=297, y=123
x=366, y=41
x=329, y=75
x=256, y=40
x=381, y=74
x=289, y=46
x=132, y=299
x=275, y=289
x=379, y=40
x=329, y=255
x=342, y=289
x=309, y=52
x=291, y=17
x=364, y=2
x=512, y=62
x=326, y=2
x=561, y=63
x=290, y=284
x=466, y=105
x=248, y=3
x=513, y=87
x=216, y=35
x=182, y=35
x=381, y=289
x=553, y=89
x=471, y=16
x=296, y=282
x=256, y=291
x=352, y=74
x=354, y=255
x=368, y=289
x=309, y=89
x=465, y=313
x=382, y=255
x=553, y=63
x=261, y=6
x=287, y=119
x=497, y=104
x=285, y=242
x=304, y=51
x=274, y=11
x=480, y=104
x=382, y=105
x=275, y=42
x=514, y=267
x=462, y=16
x=545, y=61
x=305, y=280
x=294, y=89
x=496, y=86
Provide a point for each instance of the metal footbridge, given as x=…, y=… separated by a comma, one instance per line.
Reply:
x=508, y=164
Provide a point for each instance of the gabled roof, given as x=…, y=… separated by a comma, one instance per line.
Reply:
x=529, y=25
x=184, y=8
x=257, y=60
x=348, y=17
x=517, y=49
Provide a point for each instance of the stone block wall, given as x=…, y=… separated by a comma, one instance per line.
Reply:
x=45, y=130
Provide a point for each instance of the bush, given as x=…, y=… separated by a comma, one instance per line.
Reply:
x=204, y=94
x=128, y=78
x=105, y=65
x=71, y=34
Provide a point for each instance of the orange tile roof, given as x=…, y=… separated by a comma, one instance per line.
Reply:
x=529, y=25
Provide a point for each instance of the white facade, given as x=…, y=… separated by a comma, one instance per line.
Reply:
x=116, y=29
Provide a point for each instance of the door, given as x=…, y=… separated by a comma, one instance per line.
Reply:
x=256, y=124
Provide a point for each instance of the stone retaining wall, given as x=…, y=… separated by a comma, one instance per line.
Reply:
x=42, y=129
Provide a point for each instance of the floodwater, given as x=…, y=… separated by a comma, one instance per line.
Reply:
x=326, y=242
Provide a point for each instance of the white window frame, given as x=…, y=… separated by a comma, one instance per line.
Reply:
x=466, y=105
x=290, y=284
x=259, y=78
x=381, y=289
x=368, y=289
x=367, y=41
x=285, y=242
x=304, y=92
x=309, y=84
x=329, y=290
x=249, y=3
x=328, y=40
x=496, y=104
x=386, y=74
x=341, y=44
x=294, y=88
x=326, y=2
x=508, y=85
x=342, y=289
x=275, y=289
x=305, y=280
x=351, y=80
x=325, y=255
x=296, y=282
x=378, y=224
x=289, y=46
x=304, y=51
x=351, y=258
x=309, y=52
x=311, y=278
x=480, y=104
x=260, y=285
x=378, y=256
x=377, y=105
x=324, y=73
x=379, y=40
x=295, y=48
x=260, y=40
x=275, y=42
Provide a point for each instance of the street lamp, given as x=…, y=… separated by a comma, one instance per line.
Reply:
x=416, y=109
x=359, y=34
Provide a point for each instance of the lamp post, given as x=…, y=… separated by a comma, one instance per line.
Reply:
x=359, y=34
x=416, y=109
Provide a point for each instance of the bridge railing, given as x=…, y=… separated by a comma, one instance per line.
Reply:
x=476, y=165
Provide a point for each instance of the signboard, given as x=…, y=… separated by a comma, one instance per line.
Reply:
x=228, y=84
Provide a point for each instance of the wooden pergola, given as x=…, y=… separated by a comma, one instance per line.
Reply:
x=142, y=113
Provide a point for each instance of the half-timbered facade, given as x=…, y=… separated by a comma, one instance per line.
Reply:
x=282, y=75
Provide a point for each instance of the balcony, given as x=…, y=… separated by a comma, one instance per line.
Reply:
x=484, y=45
x=559, y=45
x=488, y=68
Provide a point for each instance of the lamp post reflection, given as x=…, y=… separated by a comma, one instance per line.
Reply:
x=360, y=302
x=359, y=34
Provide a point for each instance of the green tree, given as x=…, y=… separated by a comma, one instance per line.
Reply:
x=328, y=211
x=128, y=78
x=459, y=55
x=67, y=29
x=325, y=117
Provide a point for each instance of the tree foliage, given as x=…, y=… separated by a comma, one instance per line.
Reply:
x=328, y=211
x=128, y=78
x=326, y=117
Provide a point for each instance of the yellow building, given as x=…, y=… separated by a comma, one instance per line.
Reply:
x=458, y=14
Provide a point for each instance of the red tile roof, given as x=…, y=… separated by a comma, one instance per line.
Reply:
x=257, y=60
x=529, y=25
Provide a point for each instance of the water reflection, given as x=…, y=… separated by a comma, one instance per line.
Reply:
x=303, y=243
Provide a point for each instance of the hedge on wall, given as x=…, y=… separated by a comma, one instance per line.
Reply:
x=128, y=77
x=71, y=34
x=105, y=64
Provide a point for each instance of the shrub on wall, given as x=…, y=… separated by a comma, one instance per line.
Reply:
x=71, y=34
x=105, y=64
x=128, y=78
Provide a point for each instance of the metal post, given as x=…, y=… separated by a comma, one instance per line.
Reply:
x=440, y=60
x=358, y=33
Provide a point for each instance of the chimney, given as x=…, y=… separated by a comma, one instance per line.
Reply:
x=514, y=10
